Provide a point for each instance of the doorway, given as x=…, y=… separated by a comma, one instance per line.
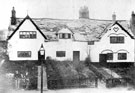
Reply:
x=76, y=56
x=103, y=59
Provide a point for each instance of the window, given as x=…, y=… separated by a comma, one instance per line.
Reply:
x=27, y=34
x=24, y=53
x=122, y=56
x=116, y=39
x=109, y=56
x=60, y=54
x=90, y=42
x=69, y=36
x=64, y=35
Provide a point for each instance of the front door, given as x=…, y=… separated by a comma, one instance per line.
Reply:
x=76, y=56
x=103, y=59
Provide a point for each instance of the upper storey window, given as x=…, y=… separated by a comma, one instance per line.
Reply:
x=64, y=35
x=27, y=34
x=116, y=39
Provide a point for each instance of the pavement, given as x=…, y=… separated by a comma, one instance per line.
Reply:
x=78, y=90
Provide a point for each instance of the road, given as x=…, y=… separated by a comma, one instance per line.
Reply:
x=81, y=90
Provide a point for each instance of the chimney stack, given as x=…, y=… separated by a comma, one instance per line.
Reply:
x=114, y=17
x=13, y=16
x=132, y=22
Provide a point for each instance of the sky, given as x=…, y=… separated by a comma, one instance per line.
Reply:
x=65, y=9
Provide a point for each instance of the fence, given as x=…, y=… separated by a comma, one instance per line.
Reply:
x=72, y=83
x=114, y=82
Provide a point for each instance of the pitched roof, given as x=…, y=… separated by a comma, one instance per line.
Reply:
x=124, y=29
x=27, y=17
x=91, y=29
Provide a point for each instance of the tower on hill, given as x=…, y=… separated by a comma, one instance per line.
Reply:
x=84, y=12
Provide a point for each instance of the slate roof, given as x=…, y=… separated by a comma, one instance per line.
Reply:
x=91, y=29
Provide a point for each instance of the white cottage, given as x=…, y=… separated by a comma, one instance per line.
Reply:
x=101, y=40
x=116, y=45
x=67, y=46
x=25, y=41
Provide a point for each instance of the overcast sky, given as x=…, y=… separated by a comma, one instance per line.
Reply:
x=65, y=9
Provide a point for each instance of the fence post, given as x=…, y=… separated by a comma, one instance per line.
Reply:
x=107, y=83
x=96, y=82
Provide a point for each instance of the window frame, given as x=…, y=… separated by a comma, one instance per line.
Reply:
x=117, y=39
x=64, y=35
x=19, y=53
x=91, y=42
x=27, y=34
x=122, y=56
x=62, y=54
x=109, y=56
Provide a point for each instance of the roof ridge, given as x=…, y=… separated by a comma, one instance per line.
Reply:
x=74, y=19
x=27, y=17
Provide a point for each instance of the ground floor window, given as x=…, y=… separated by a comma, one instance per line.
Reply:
x=109, y=56
x=60, y=53
x=122, y=56
x=24, y=53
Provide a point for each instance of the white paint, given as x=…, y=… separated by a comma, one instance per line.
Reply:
x=16, y=44
x=104, y=44
x=68, y=45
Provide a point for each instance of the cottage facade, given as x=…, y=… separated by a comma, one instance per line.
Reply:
x=25, y=41
x=116, y=45
x=24, y=44
x=66, y=47
x=75, y=40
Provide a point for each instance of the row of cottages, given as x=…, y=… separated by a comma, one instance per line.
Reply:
x=100, y=40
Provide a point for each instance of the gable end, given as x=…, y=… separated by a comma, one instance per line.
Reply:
x=27, y=17
x=123, y=29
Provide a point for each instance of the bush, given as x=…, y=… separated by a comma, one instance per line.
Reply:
x=66, y=70
x=87, y=61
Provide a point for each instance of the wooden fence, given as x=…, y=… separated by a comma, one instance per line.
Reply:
x=72, y=83
x=114, y=82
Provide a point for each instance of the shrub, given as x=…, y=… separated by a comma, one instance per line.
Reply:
x=87, y=61
x=66, y=70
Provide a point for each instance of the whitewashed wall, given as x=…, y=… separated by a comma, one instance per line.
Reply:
x=104, y=44
x=16, y=44
x=66, y=45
